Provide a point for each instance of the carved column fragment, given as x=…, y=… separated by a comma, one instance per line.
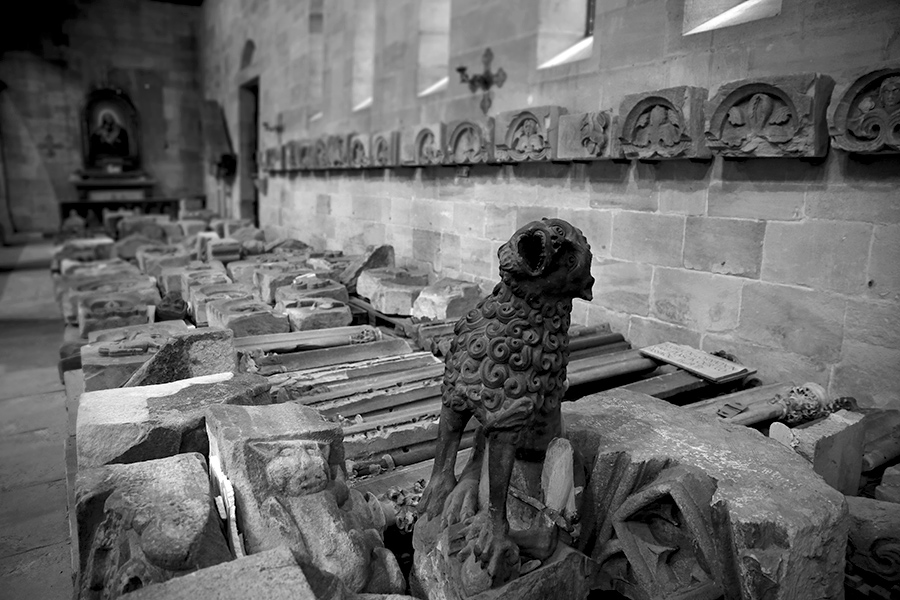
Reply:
x=527, y=135
x=771, y=117
x=864, y=117
x=589, y=136
x=664, y=124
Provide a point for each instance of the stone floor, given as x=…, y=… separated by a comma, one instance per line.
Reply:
x=35, y=562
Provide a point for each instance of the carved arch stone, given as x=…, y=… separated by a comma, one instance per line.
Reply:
x=384, y=149
x=337, y=151
x=320, y=153
x=588, y=136
x=527, y=135
x=865, y=114
x=469, y=142
x=772, y=117
x=664, y=124
x=358, y=152
x=423, y=145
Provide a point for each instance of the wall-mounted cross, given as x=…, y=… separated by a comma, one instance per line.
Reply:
x=49, y=146
x=485, y=81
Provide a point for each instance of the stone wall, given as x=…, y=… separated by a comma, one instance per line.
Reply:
x=792, y=265
x=148, y=49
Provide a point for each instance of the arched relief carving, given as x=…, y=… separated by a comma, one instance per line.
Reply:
x=306, y=152
x=527, y=135
x=776, y=117
x=292, y=156
x=384, y=149
x=865, y=115
x=469, y=142
x=320, y=154
x=665, y=124
x=423, y=145
x=588, y=136
x=358, y=154
x=337, y=151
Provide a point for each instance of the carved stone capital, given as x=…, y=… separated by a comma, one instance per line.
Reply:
x=359, y=152
x=771, y=117
x=664, y=124
x=527, y=135
x=589, y=136
x=469, y=142
x=385, y=149
x=864, y=117
x=423, y=145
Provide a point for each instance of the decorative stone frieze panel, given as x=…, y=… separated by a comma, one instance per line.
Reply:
x=358, y=156
x=772, y=117
x=292, y=155
x=337, y=151
x=306, y=152
x=385, y=149
x=275, y=158
x=423, y=145
x=664, y=124
x=469, y=142
x=588, y=136
x=527, y=135
x=320, y=153
x=865, y=115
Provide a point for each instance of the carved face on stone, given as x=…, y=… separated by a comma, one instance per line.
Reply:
x=298, y=469
x=890, y=92
x=549, y=258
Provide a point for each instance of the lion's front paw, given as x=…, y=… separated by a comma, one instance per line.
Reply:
x=461, y=504
x=493, y=548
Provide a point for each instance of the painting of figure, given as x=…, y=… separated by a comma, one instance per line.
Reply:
x=110, y=132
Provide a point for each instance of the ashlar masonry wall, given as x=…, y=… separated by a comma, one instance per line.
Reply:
x=792, y=265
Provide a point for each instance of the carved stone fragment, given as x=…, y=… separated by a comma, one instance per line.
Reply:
x=192, y=281
x=320, y=153
x=469, y=142
x=864, y=117
x=423, y=145
x=385, y=149
x=664, y=124
x=874, y=541
x=216, y=291
x=291, y=157
x=195, y=353
x=359, y=154
x=772, y=117
x=527, y=135
x=338, y=152
x=306, y=286
x=446, y=299
x=246, y=317
x=286, y=465
x=170, y=277
x=392, y=290
x=115, y=354
x=588, y=136
x=108, y=310
x=306, y=155
x=314, y=312
x=269, y=278
x=134, y=424
x=94, y=287
x=144, y=523
x=241, y=271
x=375, y=257
x=679, y=504
x=152, y=259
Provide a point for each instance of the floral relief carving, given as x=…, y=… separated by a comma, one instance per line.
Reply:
x=866, y=118
x=781, y=116
x=528, y=135
x=320, y=155
x=588, y=136
x=665, y=124
x=594, y=128
x=359, y=152
x=337, y=151
x=384, y=149
x=428, y=148
x=468, y=143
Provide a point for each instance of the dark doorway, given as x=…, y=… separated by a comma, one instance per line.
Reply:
x=248, y=107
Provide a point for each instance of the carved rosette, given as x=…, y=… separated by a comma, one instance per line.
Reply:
x=773, y=117
x=665, y=124
x=588, y=136
x=337, y=151
x=358, y=156
x=385, y=148
x=865, y=115
x=527, y=135
x=469, y=142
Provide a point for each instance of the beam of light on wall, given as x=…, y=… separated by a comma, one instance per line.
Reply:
x=316, y=116
x=364, y=104
x=580, y=50
x=436, y=87
x=751, y=10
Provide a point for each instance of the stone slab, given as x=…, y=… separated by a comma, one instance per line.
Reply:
x=759, y=521
x=307, y=314
x=269, y=278
x=198, y=279
x=216, y=291
x=375, y=257
x=392, y=290
x=170, y=277
x=127, y=425
x=145, y=523
x=104, y=311
x=863, y=108
x=246, y=317
x=107, y=361
x=311, y=285
x=194, y=353
x=152, y=259
x=446, y=298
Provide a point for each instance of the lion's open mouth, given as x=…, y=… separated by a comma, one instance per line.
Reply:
x=531, y=248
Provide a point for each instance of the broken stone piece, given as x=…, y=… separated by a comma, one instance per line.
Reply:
x=423, y=145
x=106, y=311
x=664, y=480
x=246, y=578
x=83, y=249
x=306, y=314
x=170, y=277
x=664, y=124
x=242, y=271
x=114, y=355
x=134, y=424
x=141, y=286
x=145, y=225
x=187, y=354
x=172, y=308
x=216, y=291
x=446, y=299
x=246, y=317
x=889, y=488
x=144, y=523
x=392, y=290
x=373, y=258
x=527, y=135
x=152, y=259
x=875, y=537
x=864, y=110
x=225, y=250
x=469, y=142
x=190, y=282
x=834, y=445
x=269, y=278
x=127, y=247
x=201, y=240
x=589, y=136
x=286, y=465
x=309, y=285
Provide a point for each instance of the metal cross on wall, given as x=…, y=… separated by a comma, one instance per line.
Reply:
x=49, y=146
x=485, y=81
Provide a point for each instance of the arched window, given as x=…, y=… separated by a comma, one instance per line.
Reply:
x=434, y=46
